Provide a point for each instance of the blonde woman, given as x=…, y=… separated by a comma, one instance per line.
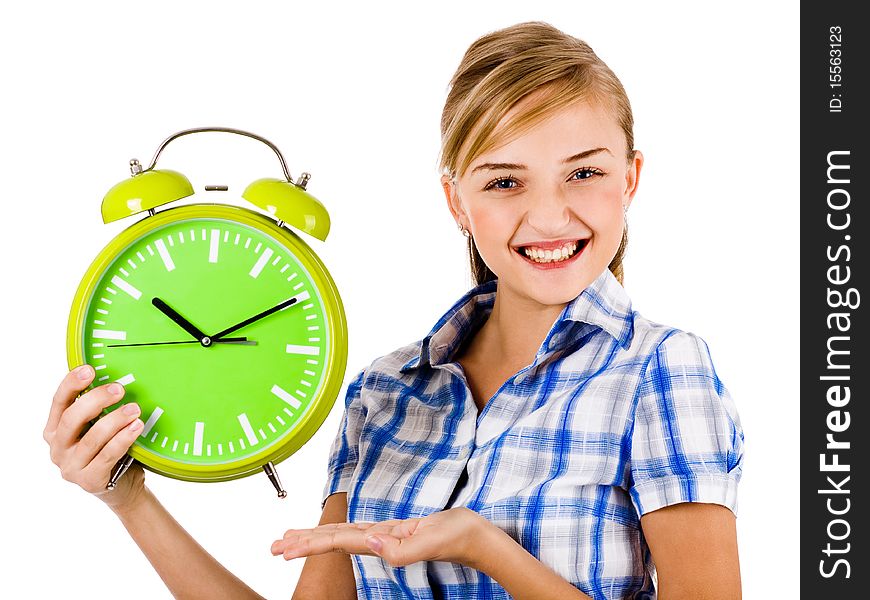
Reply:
x=544, y=440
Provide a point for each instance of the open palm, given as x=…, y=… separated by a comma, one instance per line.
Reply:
x=447, y=536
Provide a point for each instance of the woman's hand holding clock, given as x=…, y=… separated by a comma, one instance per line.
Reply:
x=86, y=458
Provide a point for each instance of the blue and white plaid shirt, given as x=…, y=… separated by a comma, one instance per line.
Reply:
x=616, y=417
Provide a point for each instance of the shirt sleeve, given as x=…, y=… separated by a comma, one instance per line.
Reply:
x=344, y=453
x=687, y=443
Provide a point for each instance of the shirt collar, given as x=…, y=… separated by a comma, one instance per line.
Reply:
x=604, y=303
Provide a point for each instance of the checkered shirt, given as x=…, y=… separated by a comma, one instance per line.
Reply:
x=616, y=416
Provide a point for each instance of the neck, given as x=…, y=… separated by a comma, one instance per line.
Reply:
x=515, y=329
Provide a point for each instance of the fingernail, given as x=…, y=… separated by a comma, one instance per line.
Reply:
x=131, y=409
x=83, y=372
x=115, y=389
x=136, y=425
x=374, y=543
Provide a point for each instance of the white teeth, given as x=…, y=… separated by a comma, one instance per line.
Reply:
x=557, y=255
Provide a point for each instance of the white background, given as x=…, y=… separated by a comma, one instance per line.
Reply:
x=353, y=94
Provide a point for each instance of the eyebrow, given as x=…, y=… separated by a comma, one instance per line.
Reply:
x=519, y=167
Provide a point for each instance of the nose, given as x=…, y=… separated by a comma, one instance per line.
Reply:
x=547, y=211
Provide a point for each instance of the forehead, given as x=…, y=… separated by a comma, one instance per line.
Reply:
x=564, y=132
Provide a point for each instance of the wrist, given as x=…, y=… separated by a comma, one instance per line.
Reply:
x=133, y=505
x=486, y=545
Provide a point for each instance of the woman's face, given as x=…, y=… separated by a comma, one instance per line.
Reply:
x=546, y=209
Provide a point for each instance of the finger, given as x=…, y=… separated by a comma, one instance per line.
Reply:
x=101, y=432
x=348, y=540
x=95, y=475
x=402, y=552
x=75, y=381
x=85, y=409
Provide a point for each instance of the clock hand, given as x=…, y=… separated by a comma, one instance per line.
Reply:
x=184, y=323
x=216, y=337
x=242, y=341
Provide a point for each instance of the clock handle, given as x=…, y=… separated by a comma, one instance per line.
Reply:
x=272, y=474
x=184, y=132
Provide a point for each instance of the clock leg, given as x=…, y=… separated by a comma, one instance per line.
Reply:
x=120, y=469
x=272, y=474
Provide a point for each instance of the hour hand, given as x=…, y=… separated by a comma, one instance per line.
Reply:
x=181, y=321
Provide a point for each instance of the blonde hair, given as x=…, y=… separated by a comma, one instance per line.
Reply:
x=502, y=68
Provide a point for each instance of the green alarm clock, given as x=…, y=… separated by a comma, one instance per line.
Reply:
x=220, y=321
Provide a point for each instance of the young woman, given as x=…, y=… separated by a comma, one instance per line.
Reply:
x=544, y=440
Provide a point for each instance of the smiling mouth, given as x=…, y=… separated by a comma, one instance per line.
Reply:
x=564, y=252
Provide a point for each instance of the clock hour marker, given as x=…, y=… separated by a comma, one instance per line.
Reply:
x=152, y=419
x=126, y=287
x=197, y=438
x=164, y=255
x=126, y=379
x=302, y=296
x=261, y=262
x=108, y=334
x=310, y=350
x=214, y=244
x=249, y=431
x=285, y=396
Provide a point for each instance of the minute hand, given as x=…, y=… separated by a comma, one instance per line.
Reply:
x=257, y=317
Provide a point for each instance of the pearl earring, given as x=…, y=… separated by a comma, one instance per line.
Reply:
x=464, y=231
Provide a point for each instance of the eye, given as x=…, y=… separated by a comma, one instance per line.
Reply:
x=585, y=173
x=502, y=183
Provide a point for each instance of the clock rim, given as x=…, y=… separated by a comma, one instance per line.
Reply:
x=334, y=314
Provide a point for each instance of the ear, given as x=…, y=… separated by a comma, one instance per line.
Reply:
x=632, y=177
x=453, y=201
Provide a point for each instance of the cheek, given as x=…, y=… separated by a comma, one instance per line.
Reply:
x=604, y=216
x=491, y=228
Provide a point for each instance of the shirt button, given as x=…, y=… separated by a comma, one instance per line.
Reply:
x=519, y=379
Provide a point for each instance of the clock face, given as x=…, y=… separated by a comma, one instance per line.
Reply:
x=226, y=401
